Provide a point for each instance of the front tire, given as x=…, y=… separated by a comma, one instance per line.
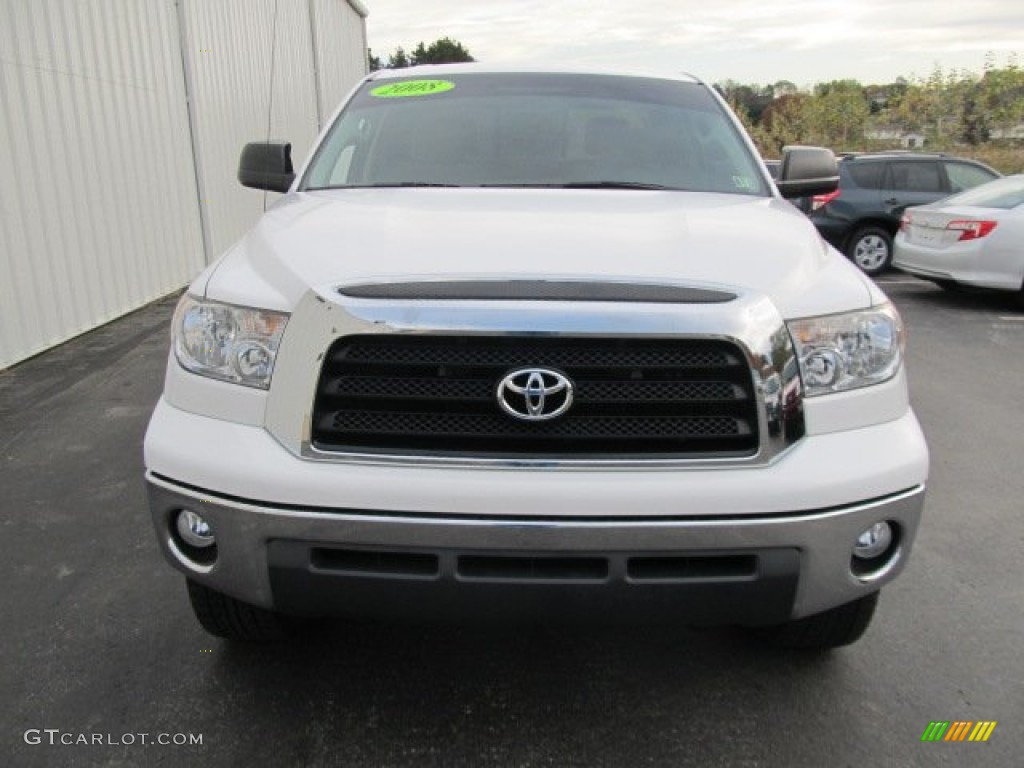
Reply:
x=870, y=249
x=833, y=628
x=232, y=619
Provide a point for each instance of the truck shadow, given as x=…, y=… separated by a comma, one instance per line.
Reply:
x=455, y=695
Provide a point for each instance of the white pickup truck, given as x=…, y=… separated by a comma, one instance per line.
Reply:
x=530, y=345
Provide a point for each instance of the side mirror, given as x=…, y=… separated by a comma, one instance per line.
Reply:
x=266, y=165
x=807, y=171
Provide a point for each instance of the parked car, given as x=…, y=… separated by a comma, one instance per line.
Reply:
x=973, y=238
x=862, y=216
x=537, y=344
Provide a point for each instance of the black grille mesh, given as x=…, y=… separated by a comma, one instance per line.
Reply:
x=436, y=395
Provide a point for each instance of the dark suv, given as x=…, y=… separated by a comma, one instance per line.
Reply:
x=862, y=216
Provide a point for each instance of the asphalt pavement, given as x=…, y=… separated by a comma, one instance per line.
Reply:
x=98, y=646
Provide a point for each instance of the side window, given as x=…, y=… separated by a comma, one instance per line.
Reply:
x=963, y=176
x=915, y=177
x=867, y=175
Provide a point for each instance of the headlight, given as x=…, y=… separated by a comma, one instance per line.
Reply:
x=856, y=349
x=226, y=342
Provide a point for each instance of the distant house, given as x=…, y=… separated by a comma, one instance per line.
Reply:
x=894, y=133
x=1017, y=132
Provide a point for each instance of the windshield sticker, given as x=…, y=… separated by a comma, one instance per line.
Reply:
x=412, y=88
x=743, y=182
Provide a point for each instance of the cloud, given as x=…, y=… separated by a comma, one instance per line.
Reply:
x=800, y=40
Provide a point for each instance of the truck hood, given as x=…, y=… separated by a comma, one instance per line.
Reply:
x=320, y=239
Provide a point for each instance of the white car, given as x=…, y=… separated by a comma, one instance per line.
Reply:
x=973, y=238
x=538, y=343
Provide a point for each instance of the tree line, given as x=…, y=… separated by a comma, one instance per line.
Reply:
x=443, y=51
x=952, y=109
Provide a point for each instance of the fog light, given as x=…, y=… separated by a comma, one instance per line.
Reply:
x=873, y=542
x=194, y=530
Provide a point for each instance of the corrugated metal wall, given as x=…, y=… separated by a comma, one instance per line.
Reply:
x=241, y=57
x=337, y=31
x=98, y=205
x=120, y=127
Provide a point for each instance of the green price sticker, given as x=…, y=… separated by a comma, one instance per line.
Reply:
x=412, y=88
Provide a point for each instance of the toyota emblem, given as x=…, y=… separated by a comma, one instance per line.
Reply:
x=535, y=394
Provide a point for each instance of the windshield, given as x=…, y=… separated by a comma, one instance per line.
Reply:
x=545, y=130
x=1005, y=193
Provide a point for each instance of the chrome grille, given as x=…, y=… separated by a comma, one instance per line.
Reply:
x=634, y=398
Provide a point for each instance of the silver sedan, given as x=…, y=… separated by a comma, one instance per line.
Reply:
x=972, y=238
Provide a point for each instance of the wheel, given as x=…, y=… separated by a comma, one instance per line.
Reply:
x=833, y=628
x=224, y=616
x=870, y=249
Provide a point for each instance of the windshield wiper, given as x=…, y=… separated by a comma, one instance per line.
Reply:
x=383, y=185
x=562, y=185
x=386, y=184
x=582, y=185
x=612, y=185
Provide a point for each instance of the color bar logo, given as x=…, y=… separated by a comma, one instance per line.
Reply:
x=958, y=730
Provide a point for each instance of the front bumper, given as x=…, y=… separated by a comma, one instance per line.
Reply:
x=708, y=569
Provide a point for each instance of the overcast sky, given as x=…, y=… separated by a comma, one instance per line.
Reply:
x=753, y=41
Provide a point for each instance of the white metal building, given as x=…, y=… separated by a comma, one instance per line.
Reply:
x=121, y=122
